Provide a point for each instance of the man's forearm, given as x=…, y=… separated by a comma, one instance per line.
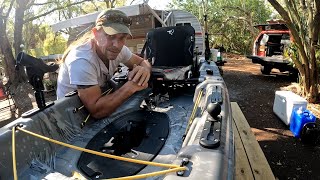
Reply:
x=108, y=104
x=145, y=64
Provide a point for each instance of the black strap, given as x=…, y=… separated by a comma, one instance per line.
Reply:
x=143, y=49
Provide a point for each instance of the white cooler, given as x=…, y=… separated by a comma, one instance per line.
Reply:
x=214, y=53
x=285, y=102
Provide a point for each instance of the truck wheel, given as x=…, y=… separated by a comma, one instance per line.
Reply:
x=265, y=69
x=294, y=74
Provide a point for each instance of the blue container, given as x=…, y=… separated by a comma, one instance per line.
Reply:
x=298, y=119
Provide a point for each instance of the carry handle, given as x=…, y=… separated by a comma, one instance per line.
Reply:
x=306, y=113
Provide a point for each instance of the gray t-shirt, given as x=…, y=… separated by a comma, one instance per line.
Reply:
x=82, y=66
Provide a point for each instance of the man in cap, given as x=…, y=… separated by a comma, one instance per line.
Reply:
x=91, y=61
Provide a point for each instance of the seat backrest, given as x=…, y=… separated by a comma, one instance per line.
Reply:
x=171, y=46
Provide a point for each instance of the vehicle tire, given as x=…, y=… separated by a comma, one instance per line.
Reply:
x=294, y=75
x=265, y=69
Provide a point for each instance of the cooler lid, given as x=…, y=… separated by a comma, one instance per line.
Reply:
x=292, y=97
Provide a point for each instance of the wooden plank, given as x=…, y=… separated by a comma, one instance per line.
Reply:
x=133, y=44
x=243, y=169
x=258, y=162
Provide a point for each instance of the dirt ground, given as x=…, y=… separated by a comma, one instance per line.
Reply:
x=288, y=157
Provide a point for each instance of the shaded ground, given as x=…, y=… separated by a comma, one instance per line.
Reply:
x=254, y=92
x=7, y=116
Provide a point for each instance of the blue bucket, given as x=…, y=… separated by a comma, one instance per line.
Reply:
x=298, y=119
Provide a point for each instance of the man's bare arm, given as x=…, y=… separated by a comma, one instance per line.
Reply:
x=137, y=60
x=141, y=70
x=101, y=106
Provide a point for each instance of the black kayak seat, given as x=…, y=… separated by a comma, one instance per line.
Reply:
x=170, y=50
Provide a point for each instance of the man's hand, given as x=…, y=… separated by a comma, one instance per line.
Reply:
x=139, y=75
x=134, y=87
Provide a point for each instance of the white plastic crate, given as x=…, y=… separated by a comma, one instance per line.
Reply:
x=285, y=102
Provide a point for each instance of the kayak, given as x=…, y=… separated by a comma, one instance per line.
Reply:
x=187, y=135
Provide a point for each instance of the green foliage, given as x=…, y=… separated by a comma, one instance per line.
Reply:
x=50, y=84
x=293, y=53
x=44, y=42
x=93, y=6
x=54, y=44
x=229, y=21
x=38, y=37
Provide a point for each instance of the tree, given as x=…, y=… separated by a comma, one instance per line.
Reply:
x=230, y=22
x=45, y=42
x=303, y=19
x=5, y=46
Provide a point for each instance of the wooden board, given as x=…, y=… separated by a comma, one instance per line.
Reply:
x=141, y=24
x=243, y=169
x=135, y=44
x=250, y=160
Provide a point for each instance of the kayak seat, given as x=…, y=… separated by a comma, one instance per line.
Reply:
x=170, y=51
x=171, y=73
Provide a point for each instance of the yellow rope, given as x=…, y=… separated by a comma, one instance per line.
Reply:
x=194, y=111
x=14, y=161
x=100, y=153
x=140, y=176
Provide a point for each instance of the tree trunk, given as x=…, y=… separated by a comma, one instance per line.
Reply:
x=20, y=90
x=18, y=25
x=17, y=79
x=311, y=91
x=6, y=50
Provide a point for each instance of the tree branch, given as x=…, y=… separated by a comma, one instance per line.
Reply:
x=82, y=10
x=64, y=15
x=310, y=18
x=293, y=12
x=9, y=9
x=303, y=4
x=54, y=9
x=94, y=4
x=298, y=22
x=29, y=4
x=41, y=4
x=2, y=6
x=238, y=9
x=112, y=3
x=131, y=2
x=247, y=19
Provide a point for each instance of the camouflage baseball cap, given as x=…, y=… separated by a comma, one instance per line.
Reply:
x=114, y=22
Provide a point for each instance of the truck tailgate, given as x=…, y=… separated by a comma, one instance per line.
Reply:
x=263, y=60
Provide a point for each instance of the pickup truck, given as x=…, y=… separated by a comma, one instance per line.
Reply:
x=269, y=46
